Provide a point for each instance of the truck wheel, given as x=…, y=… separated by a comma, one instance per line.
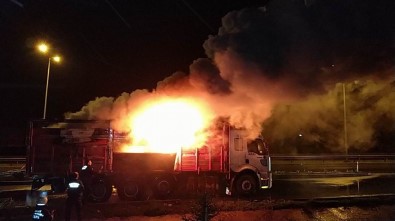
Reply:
x=246, y=185
x=163, y=187
x=129, y=190
x=100, y=190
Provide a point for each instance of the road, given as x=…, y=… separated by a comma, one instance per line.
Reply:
x=300, y=180
x=300, y=176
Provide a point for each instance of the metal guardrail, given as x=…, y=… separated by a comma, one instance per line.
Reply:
x=335, y=157
x=383, y=163
x=274, y=157
x=13, y=160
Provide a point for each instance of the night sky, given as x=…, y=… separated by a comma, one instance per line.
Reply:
x=110, y=47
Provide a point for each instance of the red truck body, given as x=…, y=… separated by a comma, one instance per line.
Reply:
x=53, y=149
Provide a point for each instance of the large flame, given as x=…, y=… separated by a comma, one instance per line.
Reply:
x=166, y=125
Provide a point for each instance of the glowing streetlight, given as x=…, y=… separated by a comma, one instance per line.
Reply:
x=44, y=48
x=56, y=58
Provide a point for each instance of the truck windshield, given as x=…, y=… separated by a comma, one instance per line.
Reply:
x=257, y=146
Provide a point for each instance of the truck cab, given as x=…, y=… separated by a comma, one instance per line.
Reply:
x=249, y=162
x=243, y=163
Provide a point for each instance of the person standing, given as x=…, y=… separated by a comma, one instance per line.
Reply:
x=86, y=177
x=87, y=169
x=75, y=190
x=42, y=212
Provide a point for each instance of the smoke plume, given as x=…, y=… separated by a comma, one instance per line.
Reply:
x=234, y=93
x=349, y=118
x=285, y=63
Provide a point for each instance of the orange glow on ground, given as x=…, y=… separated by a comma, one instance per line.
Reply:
x=166, y=125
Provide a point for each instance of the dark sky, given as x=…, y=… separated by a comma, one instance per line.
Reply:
x=109, y=47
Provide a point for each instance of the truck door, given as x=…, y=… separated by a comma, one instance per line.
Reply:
x=237, y=149
x=257, y=155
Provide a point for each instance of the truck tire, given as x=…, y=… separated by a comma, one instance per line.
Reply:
x=130, y=190
x=163, y=186
x=100, y=190
x=246, y=185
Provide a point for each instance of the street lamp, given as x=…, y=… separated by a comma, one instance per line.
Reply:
x=44, y=48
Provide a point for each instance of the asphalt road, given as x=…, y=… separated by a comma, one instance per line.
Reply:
x=297, y=180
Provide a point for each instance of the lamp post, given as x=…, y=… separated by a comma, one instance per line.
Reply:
x=44, y=49
x=345, y=119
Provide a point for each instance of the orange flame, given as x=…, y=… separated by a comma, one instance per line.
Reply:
x=166, y=125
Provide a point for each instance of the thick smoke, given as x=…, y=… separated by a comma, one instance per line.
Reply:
x=350, y=118
x=311, y=47
x=299, y=55
x=100, y=108
x=241, y=102
x=204, y=75
x=290, y=56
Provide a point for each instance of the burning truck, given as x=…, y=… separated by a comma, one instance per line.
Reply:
x=228, y=161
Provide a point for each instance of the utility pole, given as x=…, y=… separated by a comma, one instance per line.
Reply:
x=345, y=119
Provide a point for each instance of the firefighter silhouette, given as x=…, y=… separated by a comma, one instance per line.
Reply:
x=86, y=177
x=87, y=169
x=42, y=212
x=75, y=190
